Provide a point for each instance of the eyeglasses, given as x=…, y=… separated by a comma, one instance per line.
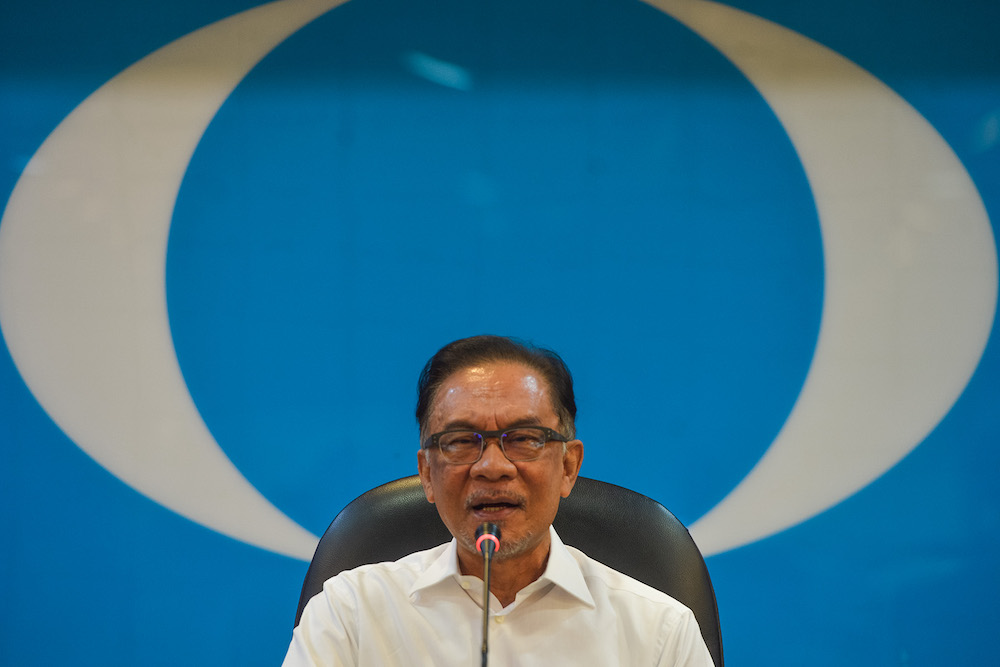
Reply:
x=524, y=443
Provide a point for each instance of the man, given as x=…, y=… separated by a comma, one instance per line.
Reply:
x=498, y=444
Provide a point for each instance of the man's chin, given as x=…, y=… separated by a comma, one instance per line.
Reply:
x=513, y=546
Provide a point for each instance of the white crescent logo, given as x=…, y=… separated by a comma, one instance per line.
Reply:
x=911, y=276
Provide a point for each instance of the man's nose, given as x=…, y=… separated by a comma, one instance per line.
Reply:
x=493, y=464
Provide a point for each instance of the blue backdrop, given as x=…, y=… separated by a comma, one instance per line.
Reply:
x=602, y=177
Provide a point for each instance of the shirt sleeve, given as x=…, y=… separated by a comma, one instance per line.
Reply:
x=325, y=635
x=684, y=646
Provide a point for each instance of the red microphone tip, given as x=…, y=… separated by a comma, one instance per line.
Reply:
x=488, y=532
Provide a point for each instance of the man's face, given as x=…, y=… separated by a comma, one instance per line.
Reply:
x=521, y=498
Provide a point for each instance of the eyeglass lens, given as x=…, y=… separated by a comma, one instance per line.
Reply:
x=520, y=444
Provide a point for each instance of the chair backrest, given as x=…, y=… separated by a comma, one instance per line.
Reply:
x=618, y=527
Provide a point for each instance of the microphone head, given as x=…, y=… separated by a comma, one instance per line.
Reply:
x=487, y=538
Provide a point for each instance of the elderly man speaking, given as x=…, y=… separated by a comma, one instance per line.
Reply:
x=498, y=445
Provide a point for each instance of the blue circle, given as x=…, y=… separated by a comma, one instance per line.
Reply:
x=607, y=185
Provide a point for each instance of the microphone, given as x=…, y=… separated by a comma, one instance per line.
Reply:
x=487, y=542
x=490, y=534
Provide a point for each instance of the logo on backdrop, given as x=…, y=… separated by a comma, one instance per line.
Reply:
x=908, y=303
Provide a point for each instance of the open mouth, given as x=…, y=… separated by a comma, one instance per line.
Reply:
x=496, y=506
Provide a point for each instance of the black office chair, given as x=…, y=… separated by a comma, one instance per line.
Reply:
x=618, y=527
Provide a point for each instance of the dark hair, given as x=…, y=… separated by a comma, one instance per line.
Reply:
x=467, y=352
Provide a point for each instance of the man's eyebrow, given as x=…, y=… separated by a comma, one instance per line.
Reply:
x=528, y=421
x=467, y=425
x=459, y=423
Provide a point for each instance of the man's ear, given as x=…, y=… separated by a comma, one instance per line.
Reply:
x=424, y=470
x=572, y=460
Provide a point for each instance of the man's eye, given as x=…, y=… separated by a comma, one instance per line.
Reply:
x=524, y=438
x=460, y=441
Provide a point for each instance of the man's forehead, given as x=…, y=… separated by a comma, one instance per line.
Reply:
x=494, y=377
x=490, y=385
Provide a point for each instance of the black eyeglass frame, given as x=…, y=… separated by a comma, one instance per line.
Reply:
x=550, y=436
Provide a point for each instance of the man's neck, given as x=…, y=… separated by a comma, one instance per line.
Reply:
x=508, y=575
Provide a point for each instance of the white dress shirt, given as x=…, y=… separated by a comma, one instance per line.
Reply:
x=420, y=610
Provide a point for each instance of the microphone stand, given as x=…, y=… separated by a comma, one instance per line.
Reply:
x=487, y=541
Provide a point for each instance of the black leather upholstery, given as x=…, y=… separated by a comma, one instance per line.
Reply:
x=618, y=527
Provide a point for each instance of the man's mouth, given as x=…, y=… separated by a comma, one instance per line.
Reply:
x=484, y=504
x=493, y=507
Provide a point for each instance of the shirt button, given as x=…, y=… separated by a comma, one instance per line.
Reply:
x=499, y=618
x=466, y=585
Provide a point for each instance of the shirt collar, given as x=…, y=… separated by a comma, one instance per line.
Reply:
x=562, y=570
x=440, y=569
